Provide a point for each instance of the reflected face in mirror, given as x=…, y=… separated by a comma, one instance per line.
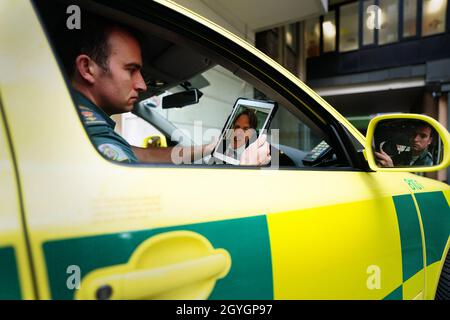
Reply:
x=421, y=139
x=406, y=143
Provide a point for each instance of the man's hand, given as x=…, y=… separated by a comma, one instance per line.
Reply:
x=257, y=154
x=383, y=159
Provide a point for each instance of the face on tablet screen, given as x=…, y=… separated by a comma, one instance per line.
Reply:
x=243, y=129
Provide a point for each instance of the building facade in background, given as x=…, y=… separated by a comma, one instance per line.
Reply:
x=370, y=57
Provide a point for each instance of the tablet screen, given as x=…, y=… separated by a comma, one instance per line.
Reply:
x=247, y=121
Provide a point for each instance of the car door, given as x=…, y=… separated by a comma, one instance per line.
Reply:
x=104, y=230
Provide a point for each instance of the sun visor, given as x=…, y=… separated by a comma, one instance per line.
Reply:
x=174, y=65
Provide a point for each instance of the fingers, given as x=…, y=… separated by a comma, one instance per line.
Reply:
x=266, y=160
x=262, y=139
x=261, y=154
x=382, y=163
x=264, y=154
x=381, y=156
x=257, y=153
x=384, y=159
x=381, y=159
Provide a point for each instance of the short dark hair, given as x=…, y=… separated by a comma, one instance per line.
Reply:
x=424, y=124
x=91, y=40
x=252, y=119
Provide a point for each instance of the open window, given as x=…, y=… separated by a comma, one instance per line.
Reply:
x=192, y=86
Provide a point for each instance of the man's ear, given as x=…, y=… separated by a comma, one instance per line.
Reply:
x=84, y=66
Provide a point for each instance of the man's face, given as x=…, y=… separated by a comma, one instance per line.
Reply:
x=421, y=139
x=242, y=131
x=117, y=88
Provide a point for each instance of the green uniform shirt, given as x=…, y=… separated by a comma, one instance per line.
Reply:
x=405, y=159
x=100, y=128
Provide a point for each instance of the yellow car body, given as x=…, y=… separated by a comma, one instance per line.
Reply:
x=307, y=234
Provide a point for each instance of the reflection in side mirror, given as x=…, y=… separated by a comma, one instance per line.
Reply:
x=406, y=143
x=181, y=99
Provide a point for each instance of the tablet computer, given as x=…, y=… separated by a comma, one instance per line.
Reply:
x=247, y=121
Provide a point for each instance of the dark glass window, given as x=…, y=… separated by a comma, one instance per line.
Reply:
x=348, y=29
x=433, y=16
x=409, y=18
x=369, y=22
x=329, y=32
x=312, y=37
x=388, y=32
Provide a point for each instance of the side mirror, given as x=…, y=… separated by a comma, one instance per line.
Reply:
x=407, y=143
x=181, y=99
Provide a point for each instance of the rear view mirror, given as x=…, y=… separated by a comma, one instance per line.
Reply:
x=181, y=99
x=407, y=142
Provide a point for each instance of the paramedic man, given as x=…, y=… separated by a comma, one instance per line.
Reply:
x=104, y=63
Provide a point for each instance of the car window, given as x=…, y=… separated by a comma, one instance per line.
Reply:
x=174, y=64
x=200, y=122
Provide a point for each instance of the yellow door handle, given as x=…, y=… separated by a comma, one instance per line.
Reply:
x=176, y=265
